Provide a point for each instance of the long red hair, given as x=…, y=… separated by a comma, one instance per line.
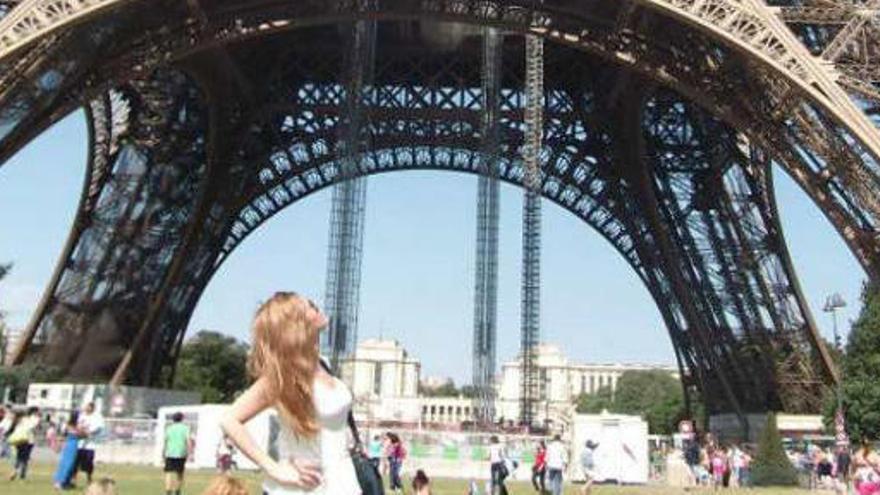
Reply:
x=285, y=353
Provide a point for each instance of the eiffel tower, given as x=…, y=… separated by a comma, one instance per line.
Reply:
x=661, y=124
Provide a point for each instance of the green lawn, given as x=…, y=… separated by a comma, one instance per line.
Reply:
x=139, y=480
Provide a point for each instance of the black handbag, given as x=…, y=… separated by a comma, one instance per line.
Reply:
x=367, y=473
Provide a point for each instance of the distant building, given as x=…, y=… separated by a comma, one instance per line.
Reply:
x=381, y=369
x=384, y=378
x=560, y=383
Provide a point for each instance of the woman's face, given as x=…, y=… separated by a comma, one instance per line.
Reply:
x=314, y=316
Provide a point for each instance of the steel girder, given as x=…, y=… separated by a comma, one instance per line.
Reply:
x=702, y=65
x=148, y=158
x=286, y=130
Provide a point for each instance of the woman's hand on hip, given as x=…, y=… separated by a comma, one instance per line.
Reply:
x=297, y=473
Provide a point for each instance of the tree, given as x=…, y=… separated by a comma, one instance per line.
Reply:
x=595, y=403
x=17, y=378
x=655, y=395
x=214, y=365
x=446, y=390
x=861, y=367
x=771, y=466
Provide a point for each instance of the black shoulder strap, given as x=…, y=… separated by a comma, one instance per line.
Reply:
x=351, y=424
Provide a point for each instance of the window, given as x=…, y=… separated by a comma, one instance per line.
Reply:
x=377, y=379
x=583, y=383
x=442, y=410
x=592, y=383
x=458, y=411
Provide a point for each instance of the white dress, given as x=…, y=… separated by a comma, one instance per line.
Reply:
x=329, y=448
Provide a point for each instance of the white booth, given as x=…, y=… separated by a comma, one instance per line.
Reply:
x=622, y=454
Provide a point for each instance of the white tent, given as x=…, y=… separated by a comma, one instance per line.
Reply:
x=622, y=454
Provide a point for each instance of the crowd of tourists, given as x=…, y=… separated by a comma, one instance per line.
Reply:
x=836, y=468
x=718, y=466
x=73, y=440
x=839, y=468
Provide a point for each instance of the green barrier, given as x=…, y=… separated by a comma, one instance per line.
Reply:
x=479, y=453
x=419, y=450
x=450, y=453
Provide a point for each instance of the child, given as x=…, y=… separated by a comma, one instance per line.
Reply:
x=421, y=484
x=225, y=485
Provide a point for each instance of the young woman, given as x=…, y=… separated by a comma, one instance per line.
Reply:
x=23, y=437
x=539, y=469
x=67, y=460
x=312, y=405
x=396, y=455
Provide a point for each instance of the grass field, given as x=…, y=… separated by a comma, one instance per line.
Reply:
x=139, y=480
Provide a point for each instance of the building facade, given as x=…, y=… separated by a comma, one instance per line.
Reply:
x=560, y=383
x=381, y=369
x=384, y=379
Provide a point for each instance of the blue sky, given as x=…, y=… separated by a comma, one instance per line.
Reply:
x=418, y=262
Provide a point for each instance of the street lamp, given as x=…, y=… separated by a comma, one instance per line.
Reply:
x=832, y=304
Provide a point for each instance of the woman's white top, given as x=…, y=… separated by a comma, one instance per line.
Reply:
x=329, y=447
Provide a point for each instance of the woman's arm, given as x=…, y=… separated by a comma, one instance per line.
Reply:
x=249, y=404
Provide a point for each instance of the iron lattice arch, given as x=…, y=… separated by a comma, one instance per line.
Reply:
x=662, y=121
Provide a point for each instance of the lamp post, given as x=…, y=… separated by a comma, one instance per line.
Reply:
x=832, y=304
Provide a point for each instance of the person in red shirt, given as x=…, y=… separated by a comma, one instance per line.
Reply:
x=539, y=469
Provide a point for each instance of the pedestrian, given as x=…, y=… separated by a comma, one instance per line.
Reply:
x=556, y=462
x=225, y=485
x=52, y=438
x=224, y=455
x=588, y=466
x=420, y=483
x=313, y=406
x=745, y=469
x=91, y=425
x=498, y=469
x=718, y=465
x=177, y=448
x=374, y=451
x=104, y=486
x=396, y=455
x=867, y=466
x=23, y=438
x=67, y=460
x=6, y=417
x=539, y=469
x=843, y=463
